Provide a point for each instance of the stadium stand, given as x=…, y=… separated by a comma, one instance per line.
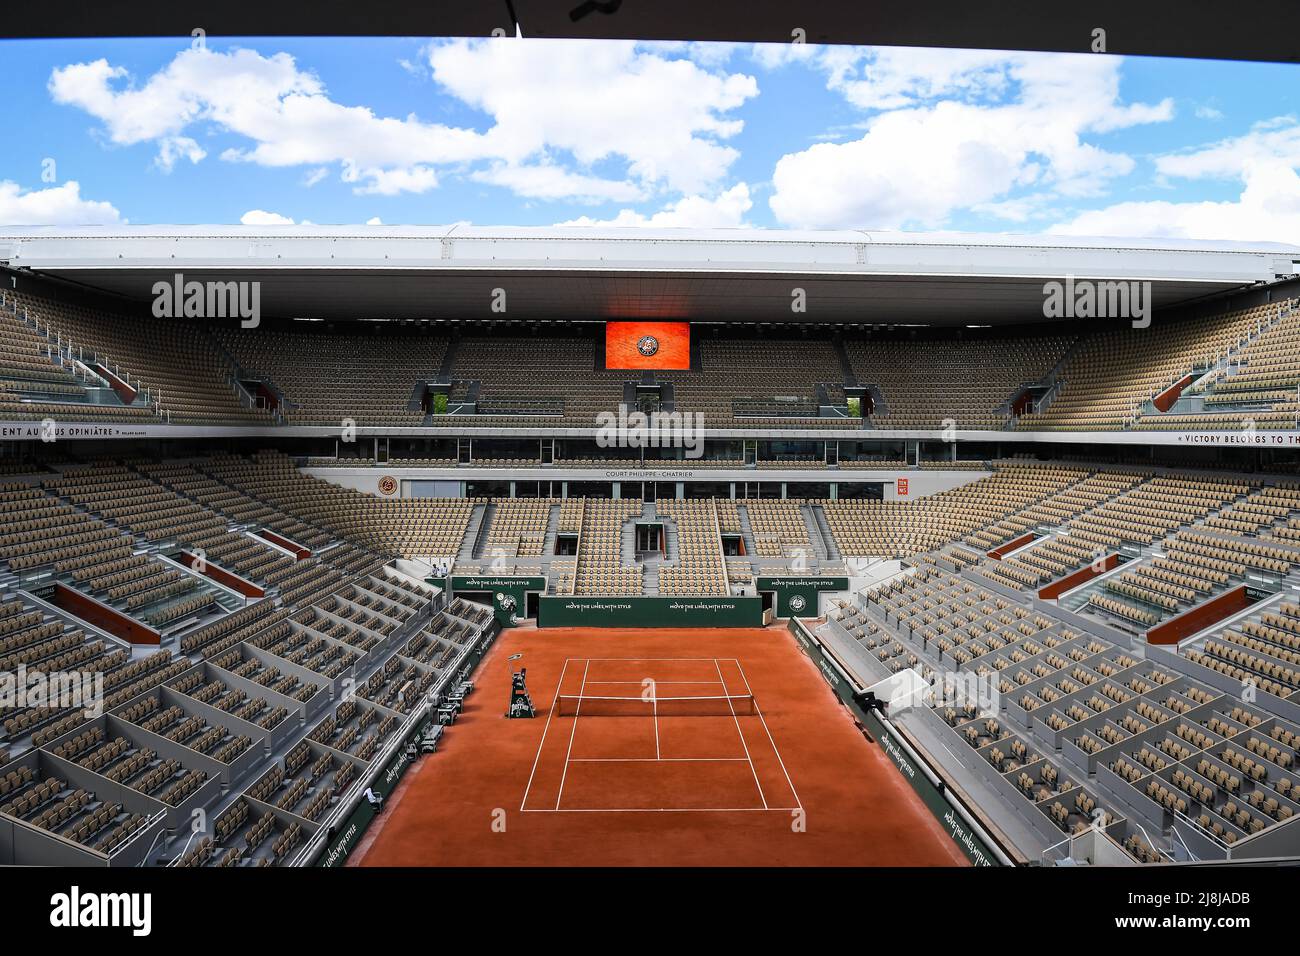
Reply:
x=968, y=381
x=270, y=611
x=175, y=367
x=1217, y=371
x=329, y=378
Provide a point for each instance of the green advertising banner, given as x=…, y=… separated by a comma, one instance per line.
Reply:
x=650, y=612
x=349, y=835
x=796, y=596
x=967, y=840
x=509, y=592
x=970, y=842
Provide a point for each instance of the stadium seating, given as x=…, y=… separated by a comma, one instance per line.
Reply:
x=329, y=378
x=1228, y=370
x=699, y=567
x=969, y=382
x=1109, y=375
x=180, y=368
x=296, y=640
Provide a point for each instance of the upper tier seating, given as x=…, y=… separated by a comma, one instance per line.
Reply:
x=1258, y=387
x=1111, y=374
x=174, y=360
x=760, y=383
x=191, y=372
x=926, y=382
x=368, y=376
x=534, y=381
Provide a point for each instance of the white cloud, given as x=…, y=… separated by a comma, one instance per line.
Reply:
x=1267, y=209
x=374, y=221
x=892, y=78
x=954, y=130
x=554, y=111
x=547, y=181
x=172, y=148
x=375, y=181
x=1273, y=140
x=260, y=217
x=707, y=53
x=284, y=111
x=1020, y=209
x=56, y=206
x=599, y=100
x=772, y=56
x=726, y=210
x=1264, y=161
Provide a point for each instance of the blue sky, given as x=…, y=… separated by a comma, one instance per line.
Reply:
x=535, y=132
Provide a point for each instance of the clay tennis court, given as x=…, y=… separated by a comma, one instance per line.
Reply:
x=655, y=748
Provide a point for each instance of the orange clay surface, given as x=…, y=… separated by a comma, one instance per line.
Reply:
x=788, y=782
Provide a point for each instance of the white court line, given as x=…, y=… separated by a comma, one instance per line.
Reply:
x=743, y=744
x=657, y=760
x=749, y=690
x=572, y=733
x=654, y=707
x=670, y=810
x=542, y=742
x=570, y=759
x=642, y=680
x=708, y=660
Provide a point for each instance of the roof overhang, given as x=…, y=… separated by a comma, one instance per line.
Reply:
x=566, y=274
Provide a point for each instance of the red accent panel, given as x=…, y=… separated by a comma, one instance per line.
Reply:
x=674, y=340
x=298, y=550
x=1005, y=549
x=901, y=485
x=1022, y=402
x=1074, y=579
x=228, y=578
x=266, y=395
x=124, y=391
x=1195, y=619
x=103, y=617
x=1165, y=400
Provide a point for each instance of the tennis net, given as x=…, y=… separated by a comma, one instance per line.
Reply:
x=586, y=705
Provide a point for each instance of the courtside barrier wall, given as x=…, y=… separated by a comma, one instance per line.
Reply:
x=343, y=829
x=650, y=612
x=972, y=838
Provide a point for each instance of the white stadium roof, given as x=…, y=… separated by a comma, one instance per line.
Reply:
x=576, y=273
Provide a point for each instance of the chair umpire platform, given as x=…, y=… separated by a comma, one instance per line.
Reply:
x=521, y=702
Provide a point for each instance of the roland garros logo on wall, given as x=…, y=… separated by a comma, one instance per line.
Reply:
x=387, y=485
